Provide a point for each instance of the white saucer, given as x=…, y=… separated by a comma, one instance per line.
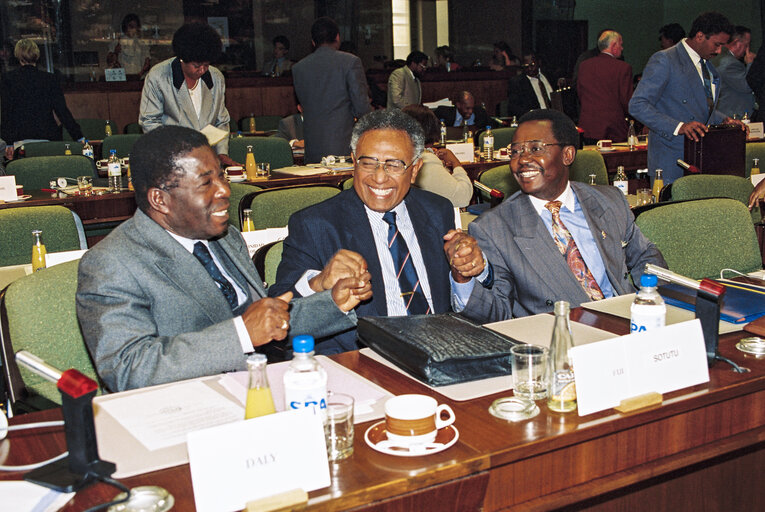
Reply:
x=606, y=150
x=19, y=199
x=375, y=434
x=237, y=180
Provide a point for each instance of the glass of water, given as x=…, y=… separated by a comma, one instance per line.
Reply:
x=338, y=430
x=529, y=371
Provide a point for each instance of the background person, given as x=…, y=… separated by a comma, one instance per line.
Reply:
x=129, y=51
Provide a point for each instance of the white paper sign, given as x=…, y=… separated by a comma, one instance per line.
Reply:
x=8, y=188
x=252, y=459
x=258, y=238
x=115, y=74
x=756, y=131
x=662, y=360
x=464, y=151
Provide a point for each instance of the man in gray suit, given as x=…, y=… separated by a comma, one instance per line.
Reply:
x=736, y=97
x=332, y=88
x=534, y=264
x=172, y=294
x=404, y=83
x=291, y=128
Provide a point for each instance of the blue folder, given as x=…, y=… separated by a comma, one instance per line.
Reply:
x=741, y=302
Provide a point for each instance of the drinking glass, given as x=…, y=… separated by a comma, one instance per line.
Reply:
x=529, y=371
x=338, y=430
x=85, y=184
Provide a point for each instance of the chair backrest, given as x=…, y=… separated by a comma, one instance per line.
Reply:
x=52, y=148
x=586, y=163
x=36, y=172
x=123, y=143
x=133, y=128
x=347, y=184
x=58, y=224
x=274, y=150
x=38, y=314
x=502, y=137
x=272, y=207
x=93, y=129
x=754, y=150
x=703, y=186
x=262, y=123
x=699, y=238
x=500, y=178
x=267, y=259
x=238, y=191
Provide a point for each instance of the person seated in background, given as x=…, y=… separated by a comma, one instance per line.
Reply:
x=279, y=64
x=185, y=90
x=464, y=109
x=404, y=86
x=172, y=293
x=441, y=172
x=28, y=100
x=129, y=51
x=291, y=128
x=445, y=59
x=404, y=236
x=554, y=239
x=670, y=35
x=530, y=90
x=502, y=57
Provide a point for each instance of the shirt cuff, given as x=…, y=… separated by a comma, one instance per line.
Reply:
x=292, y=142
x=677, y=129
x=303, y=287
x=244, y=336
x=460, y=293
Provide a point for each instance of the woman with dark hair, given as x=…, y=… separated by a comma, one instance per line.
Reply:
x=185, y=90
x=502, y=57
x=129, y=51
x=441, y=172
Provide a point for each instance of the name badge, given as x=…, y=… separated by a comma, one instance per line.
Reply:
x=115, y=74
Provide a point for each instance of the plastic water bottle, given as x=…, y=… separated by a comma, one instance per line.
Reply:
x=488, y=144
x=87, y=150
x=305, y=381
x=115, y=172
x=443, y=133
x=648, y=309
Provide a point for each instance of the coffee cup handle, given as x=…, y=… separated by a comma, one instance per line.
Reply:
x=441, y=423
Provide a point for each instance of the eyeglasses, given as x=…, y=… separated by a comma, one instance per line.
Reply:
x=370, y=164
x=533, y=147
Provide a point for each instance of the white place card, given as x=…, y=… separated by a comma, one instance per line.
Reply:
x=237, y=463
x=756, y=131
x=8, y=188
x=662, y=360
x=464, y=151
x=260, y=237
x=115, y=74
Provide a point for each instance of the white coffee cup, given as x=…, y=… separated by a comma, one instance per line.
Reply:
x=605, y=144
x=415, y=419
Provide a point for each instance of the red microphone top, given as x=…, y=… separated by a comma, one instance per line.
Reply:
x=75, y=384
x=712, y=287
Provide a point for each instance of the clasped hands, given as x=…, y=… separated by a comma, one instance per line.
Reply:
x=464, y=255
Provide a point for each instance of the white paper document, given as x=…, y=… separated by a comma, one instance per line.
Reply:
x=163, y=417
x=8, y=188
x=214, y=134
x=252, y=459
x=260, y=237
x=28, y=497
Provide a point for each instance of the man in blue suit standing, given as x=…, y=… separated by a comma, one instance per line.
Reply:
x=678, y=94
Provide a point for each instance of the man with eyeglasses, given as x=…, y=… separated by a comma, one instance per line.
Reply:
x=554, y=239
x=403, y=236
x=404, y=83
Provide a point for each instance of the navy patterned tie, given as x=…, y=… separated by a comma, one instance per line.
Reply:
x=411, y=291
x=205, y=258
x=707, y=83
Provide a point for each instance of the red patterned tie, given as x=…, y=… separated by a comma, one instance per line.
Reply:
x=570, y=251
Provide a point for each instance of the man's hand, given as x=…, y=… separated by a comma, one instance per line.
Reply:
x=464, y=255
x=736, y=122
x=758, y=194
x=350, y=291
x=447, y=157
x=298, y=144
x=343, y=264
x=268, y=319
x=225, y=161
x=750, y=56
x=694, y=130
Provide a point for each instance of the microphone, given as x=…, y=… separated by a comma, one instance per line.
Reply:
x=688, y=167
x=493, y=192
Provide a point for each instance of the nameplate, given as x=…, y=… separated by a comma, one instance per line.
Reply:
x=115, y=74
x=662, y=360
x=260, y=237
x=239, y=462
x=8, y=188
x=464, y=151
x=756, y=131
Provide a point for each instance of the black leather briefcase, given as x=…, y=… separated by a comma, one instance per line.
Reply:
x=438, y=349
x=721, y=151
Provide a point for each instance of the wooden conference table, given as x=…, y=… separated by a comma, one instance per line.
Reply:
x=702, y=449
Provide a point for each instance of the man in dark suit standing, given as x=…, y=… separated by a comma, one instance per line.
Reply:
x=530, y=90
x=464, y=109
x=332, y=88
x=605, y=88
x=404, y=236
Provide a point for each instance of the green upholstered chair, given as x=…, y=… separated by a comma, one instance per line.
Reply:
x=503, y=109
x=703, y=186
x=588, y=162
x=272, y=207
x=754, y=150
x=347, y=184
x=61, y=227
x=267, y=259
x=233, y=126
x=92, y=129
x=274, y=150
x=502, y=137
x=38, y=314
x=123, y=143
x=36, y=172
x=52, y=148
x=133, y=128
x=262, y=123
x=699, y=238
x=238, y=191
x=500, y=178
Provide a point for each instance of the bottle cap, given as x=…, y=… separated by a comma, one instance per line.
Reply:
x=488, y=127
x=648, y=280
x=303, y=343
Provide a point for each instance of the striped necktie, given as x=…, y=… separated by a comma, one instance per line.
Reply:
x=570, y=251
x=707, y=83
x=411, y=290
x=205, y=258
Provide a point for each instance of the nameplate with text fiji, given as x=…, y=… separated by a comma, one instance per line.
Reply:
x=240, y=462
x=661, y=360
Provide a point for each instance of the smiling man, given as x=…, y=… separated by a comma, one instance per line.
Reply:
x=554, y=239
x=171, y=293
x=404, y=236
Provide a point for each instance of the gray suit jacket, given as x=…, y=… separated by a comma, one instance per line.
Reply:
x=291, y=127
x=332, y=89
x=165, y=100
x=150, y=313
x=403, y=88
x=529, y=272
x=736, y=97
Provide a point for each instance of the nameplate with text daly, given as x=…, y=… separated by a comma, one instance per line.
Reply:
x=662, y=360
x=251, y=459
